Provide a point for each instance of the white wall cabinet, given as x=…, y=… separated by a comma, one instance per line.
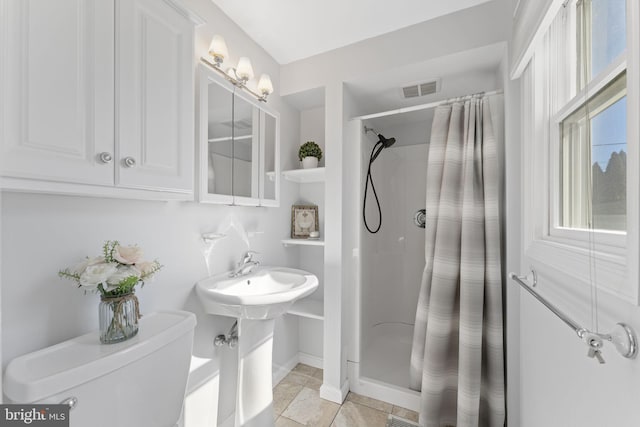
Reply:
x=57, y=84
x=97, y=92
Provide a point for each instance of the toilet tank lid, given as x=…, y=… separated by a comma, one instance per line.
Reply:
x=45, y=372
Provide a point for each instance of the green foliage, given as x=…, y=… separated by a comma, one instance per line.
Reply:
x=108, y=249
x=310, y=149
x=142, y=270
x=66, y=274
x=124, y=287
x=156, y=267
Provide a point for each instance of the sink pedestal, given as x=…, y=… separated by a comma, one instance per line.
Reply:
x=254, y=396
x=255, y=299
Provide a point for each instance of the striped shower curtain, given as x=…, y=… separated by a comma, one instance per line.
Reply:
x=457, y=356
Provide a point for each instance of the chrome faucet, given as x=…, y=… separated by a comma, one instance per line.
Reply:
x=245, y=265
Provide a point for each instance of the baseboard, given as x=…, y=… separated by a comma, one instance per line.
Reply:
x=230, y=421
x=374, y=389
x=311, y=360
x=281, y=371
x=201, y=372
x=335, y=394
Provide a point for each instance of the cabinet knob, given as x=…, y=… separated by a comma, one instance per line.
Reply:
x=105, y=157
x=129, y=162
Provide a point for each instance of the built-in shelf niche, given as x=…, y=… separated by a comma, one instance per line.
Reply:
x=303, y=176
x=307, y=187
x=302, y=242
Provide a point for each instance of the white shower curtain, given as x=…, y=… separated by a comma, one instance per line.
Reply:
x=457, y=356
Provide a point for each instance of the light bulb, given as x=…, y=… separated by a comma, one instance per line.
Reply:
x=244, y=70
x=218, y=49
x=265, y=87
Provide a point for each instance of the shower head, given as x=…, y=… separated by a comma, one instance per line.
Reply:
x=375, y=152
x=386, y=142
x=381, y=144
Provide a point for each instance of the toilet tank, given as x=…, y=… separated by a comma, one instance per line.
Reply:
x=140, y=382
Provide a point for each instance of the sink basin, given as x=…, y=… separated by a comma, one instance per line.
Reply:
x=265, y=293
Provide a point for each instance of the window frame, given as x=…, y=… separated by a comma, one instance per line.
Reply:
x=615, y=240
x=550, y=94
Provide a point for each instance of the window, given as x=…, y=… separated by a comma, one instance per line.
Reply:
x=594, y=162
x=580, y=154
x=601, y=35
x=592, y=148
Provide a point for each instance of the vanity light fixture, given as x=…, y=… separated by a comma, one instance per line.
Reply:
x=218, y=50
x=239, y=75
x=265, y=87
x=244, y=70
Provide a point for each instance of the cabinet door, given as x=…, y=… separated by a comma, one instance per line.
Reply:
x=246, y=151
x=215, y=174
x=154, y=89
x=269, y=159
x=56, y=77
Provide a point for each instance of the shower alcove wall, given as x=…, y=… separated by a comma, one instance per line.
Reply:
x=392, y=260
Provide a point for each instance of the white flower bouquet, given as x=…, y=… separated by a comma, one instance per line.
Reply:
x=117, y=272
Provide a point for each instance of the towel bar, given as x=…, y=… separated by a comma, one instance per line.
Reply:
x=623, y=336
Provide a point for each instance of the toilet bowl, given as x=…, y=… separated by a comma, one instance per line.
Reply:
x=140, y=382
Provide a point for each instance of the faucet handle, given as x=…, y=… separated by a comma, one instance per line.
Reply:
x=248, y=256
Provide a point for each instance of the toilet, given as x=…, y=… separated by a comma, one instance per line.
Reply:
x=140, y=382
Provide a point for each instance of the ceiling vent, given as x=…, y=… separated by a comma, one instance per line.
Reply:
x=421, y=89
x=411, y=91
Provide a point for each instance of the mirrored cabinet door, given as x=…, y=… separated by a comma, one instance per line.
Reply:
x=270, y=163
x=246, y=152
x=220, y=142
x=215, y=175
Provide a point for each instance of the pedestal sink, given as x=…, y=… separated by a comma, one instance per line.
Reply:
x=255, y=299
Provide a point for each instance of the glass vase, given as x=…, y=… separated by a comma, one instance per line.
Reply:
x=118, y=317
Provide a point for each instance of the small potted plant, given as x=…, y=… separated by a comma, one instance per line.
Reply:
x=310, y=154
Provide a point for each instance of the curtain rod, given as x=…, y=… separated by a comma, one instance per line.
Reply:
x=423, y=106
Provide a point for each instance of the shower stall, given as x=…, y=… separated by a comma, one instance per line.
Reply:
x=391, y=261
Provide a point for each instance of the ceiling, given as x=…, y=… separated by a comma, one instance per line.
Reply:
x=290, y=30
x=459, y=74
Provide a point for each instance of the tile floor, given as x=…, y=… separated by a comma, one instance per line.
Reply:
x=297, y=402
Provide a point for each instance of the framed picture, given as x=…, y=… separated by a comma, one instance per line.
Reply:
x=304, y=220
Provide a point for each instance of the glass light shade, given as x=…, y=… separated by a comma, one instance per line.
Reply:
x=244, y=70
x=265, y=86
x=218, y=47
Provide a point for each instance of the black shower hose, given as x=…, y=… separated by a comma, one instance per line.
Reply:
x=373, y=188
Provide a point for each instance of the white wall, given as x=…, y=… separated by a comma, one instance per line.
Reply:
x=561, y=385
x=42, y=234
